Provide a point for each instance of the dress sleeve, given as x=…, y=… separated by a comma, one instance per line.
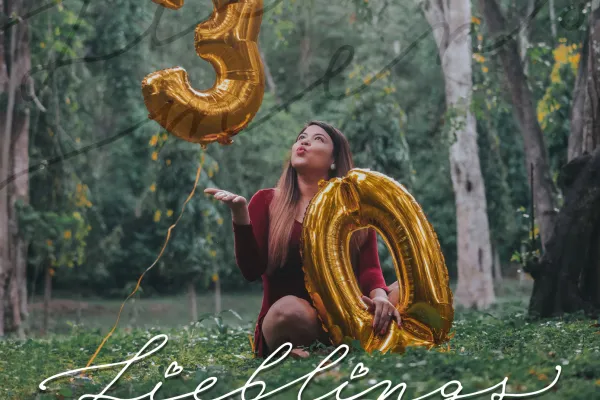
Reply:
x=250, y=241
x=370, y=276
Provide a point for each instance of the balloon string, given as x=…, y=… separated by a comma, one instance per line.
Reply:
x=198, y=172
x=252, y=346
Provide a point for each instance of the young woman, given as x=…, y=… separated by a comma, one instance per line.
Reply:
x=267, y=236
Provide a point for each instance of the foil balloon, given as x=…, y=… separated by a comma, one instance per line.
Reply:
x=172, y=4
x=229, y=41
x=364, y=199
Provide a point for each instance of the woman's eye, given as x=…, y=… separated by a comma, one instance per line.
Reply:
x=320, y=138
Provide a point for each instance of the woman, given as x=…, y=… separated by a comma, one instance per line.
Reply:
x=267, y=237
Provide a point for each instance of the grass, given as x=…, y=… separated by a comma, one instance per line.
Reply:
x=487, y=347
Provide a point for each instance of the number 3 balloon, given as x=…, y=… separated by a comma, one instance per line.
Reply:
x=228, y=40
x=370, y=199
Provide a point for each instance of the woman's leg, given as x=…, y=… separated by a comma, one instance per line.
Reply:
x=394, y=295
x=290, y=319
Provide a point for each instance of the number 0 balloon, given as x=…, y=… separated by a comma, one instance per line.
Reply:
x=228, y=40
x=370, y=199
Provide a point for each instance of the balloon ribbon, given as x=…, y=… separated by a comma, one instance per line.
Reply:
x=198, y=172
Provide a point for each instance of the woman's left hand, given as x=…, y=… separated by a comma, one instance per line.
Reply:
x=383, y=311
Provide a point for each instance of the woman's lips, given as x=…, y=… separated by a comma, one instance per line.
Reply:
x=301, y=150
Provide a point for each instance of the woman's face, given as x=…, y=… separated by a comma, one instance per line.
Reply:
x=313, y=151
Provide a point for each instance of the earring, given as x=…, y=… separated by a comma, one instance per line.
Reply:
x=332, y=166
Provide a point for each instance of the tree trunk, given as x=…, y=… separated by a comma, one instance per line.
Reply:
x=47, y=299
x=523, y=106
x=579, y=94
x=15, y=61
x=193, y=303
x=567, y=279
x=591, y=105
x=305, y=48
x=452, y=19
x=525, y=35
x=497, y=266
x=553, y=19
x=271, y=85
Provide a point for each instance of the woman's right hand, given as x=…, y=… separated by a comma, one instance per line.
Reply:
x=237, y=204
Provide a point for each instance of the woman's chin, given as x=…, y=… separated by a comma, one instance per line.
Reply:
x=299, y=165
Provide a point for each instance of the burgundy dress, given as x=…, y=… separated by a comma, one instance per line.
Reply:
x=251, y=243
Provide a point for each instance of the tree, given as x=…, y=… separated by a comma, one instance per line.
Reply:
x=15, y=62
x=567, y=278
x=524, y=109
x=450, y=22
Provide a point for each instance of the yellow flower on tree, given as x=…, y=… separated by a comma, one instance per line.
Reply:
x=215, y=277
x=48, y=242
x=478, y=57
x=213, y=253
x=154, y=140
x=169, y=213
x=574, y=61
x=561, y=54
x=155, y=155
x=153, y=187
x=67, y=234
x=475, y=20
x=157, y=215
x=220, y=221
x=168, y=162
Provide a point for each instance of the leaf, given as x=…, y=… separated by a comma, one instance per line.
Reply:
x=516, y=257
x=234, y=313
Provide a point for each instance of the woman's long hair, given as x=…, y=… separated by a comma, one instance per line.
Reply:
x=282, y=211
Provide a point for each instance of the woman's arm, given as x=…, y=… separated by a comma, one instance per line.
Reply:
x=250, y=238
x=370, y=276
x=371, y=281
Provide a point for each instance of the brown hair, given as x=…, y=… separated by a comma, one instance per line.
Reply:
x=282, y=210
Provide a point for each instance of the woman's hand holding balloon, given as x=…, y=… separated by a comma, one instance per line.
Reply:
x=383, y=311
x=237, y=204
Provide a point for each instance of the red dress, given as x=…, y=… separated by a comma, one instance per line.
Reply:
x=251, y=243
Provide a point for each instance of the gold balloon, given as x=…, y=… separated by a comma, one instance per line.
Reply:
x=363, y=199
x=172, y=4
x=229, y=41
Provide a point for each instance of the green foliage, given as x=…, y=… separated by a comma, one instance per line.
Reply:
x=486, y=348
x=388, y=99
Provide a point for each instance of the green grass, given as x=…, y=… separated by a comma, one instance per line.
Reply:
x=487, y=347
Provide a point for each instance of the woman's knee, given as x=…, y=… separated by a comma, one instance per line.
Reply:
x=292, y=310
